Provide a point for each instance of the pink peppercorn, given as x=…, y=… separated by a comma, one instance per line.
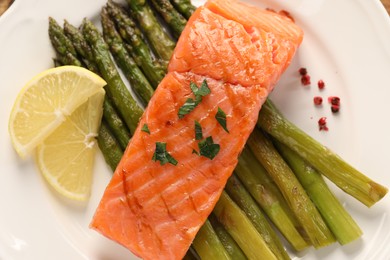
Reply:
x=317, y=101
x=334, y=100
x=335, y=108
x=322, y=124
x=302, y=71
x=321, y=84
x=305, y=80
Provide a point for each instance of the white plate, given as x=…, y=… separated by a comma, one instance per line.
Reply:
x=347, y=44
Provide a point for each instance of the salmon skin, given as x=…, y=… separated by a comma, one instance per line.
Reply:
x=156, y=201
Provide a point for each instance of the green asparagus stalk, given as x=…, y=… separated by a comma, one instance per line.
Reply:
x=130, y=69
x=208, y=245
x=320, y=157
x=66, y=54
x=185, y=7
x=81, y=46
x=255, y=179
x=336, y=217
x=293, y=192
x=69, y=59
x=232, y=248
x=135, y=44
x=240, y=195
x=109, y=146
x=116, y=124
x=115, y=89
x=241, y=229
x=162, y=44
x=55, y=30
x=173, y=18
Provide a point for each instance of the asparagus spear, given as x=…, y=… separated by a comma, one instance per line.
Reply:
x=324, y=160
x=238, y=193
x=159, y=39
x=126, y=63
x=336, y=217
x=185, y=7
x=136, y=45
x=66, y=54
x=172, y=17
x=208, y=245
x=293, y=192
x=109, y=146
x=116, y=124
x=245, y=234
x=55, y=30
x=228, y=242
x=255, y=178
x=80, y=45
x=115, y=89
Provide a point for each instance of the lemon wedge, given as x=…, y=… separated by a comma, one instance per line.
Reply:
x=66, y=157
x=45, y=102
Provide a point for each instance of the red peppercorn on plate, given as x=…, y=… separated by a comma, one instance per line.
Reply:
x=346, y=62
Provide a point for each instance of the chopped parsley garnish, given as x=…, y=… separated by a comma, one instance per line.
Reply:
x=162, y=155
x=208, y=148
x=191, y=103
x=188, y=106
x=198, y=131
x=195, y=152
x=202, y=91
x=145, y=129
x=221, y=118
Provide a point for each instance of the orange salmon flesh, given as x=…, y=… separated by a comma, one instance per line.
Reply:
x=156, y=210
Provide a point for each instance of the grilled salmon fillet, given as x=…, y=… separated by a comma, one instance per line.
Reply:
x=155, y=207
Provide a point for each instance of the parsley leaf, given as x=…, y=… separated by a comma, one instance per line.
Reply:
x=221, y=118
x=194, y=88
x=190, y=103
x=188, y=106
x=208, y=148
x=145, y=129
x=162, y=155
x=202, y=91
x=198, y=131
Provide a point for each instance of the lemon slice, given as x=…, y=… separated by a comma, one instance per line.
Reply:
x=66, y=157
x=45, y=101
